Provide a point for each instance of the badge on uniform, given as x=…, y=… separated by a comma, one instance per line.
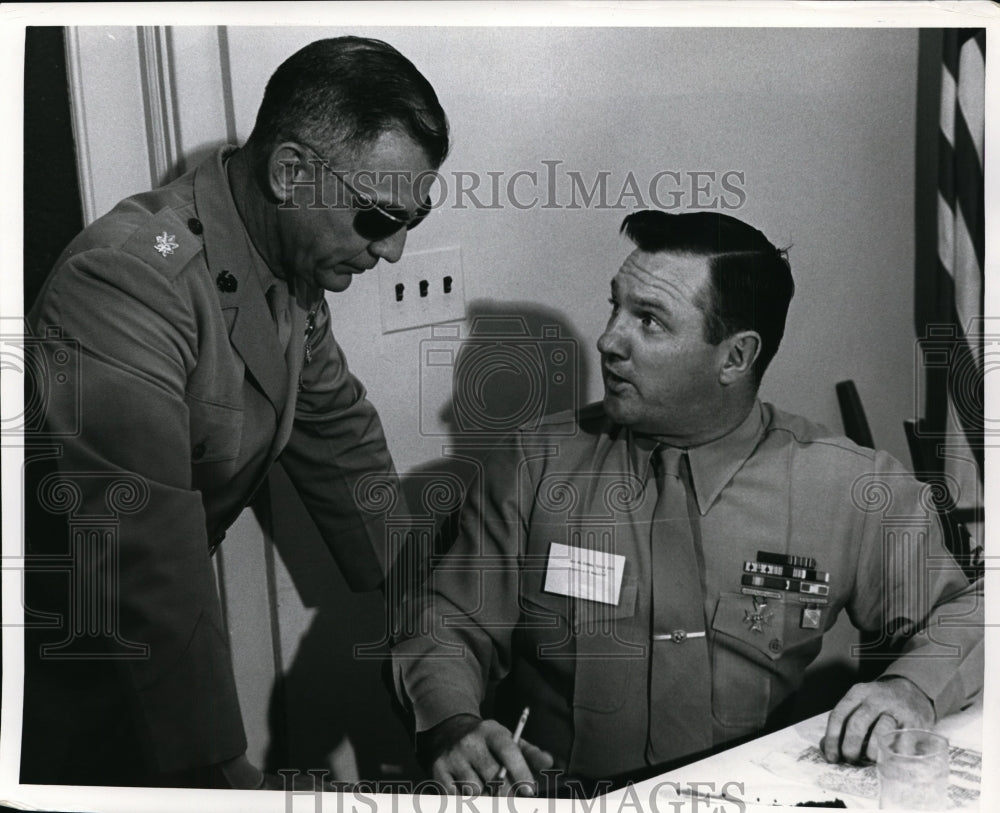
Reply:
x=812, y=616
x=760, y=617
x=785, y=572
x=584, y=573
x=166, y=244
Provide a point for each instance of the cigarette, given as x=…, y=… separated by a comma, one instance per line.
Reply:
x=517, y=738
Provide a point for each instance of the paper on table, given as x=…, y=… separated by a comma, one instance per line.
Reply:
x=803, y=762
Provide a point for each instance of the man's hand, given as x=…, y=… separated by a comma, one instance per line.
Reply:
x=870, y=710
x=241, y=774
x=468, y=754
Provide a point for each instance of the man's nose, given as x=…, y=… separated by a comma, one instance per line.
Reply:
x=389, y=248
x=611, y=342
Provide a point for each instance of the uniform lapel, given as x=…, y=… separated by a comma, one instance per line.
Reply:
x=254, y=337
x=294, y=357
x=233, y=263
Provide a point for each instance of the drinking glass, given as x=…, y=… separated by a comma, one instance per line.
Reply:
x=913, y=770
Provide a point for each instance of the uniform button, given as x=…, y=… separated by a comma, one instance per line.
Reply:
x=198, y=452
x=774, y=645
x=226, y=282
x=195, y=225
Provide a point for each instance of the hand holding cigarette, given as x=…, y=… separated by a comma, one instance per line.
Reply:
x=517, y=738
x=472, y=756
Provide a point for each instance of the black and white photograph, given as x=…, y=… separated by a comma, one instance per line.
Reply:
x=514, y=406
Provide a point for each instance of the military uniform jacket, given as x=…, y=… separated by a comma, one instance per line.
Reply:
x=777, y=483
x=185, y=400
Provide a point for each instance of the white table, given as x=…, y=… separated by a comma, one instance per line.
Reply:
x=786, y=768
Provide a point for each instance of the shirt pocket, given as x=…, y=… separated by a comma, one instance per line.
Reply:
x=215, y=431
x=544, y=611
x=596, y=616
x=747, y=640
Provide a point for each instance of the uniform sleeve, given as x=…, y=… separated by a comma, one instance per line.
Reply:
x=910, y=590
x=460, y=622
x=125, y=461
x=339, y=462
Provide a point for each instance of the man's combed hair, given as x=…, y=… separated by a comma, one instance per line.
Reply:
x=341, y=94
x=750, y=282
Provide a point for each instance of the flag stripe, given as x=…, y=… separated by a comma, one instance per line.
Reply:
x=967, y=276
x=964, y=381
x=956, y=402
x=949, y=94
x=946, y=171
x=960, y=183
x=971, y=99
x=946, y=237
x=949, y=51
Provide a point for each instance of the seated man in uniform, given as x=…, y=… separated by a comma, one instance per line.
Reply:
x=652, y=575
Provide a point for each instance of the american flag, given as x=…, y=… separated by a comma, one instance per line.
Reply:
x=953, y=329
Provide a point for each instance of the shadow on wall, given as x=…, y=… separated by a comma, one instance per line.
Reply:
x=517, y=363
x=329, y=706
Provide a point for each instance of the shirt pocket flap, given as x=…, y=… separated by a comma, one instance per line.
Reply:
x=539, y=608
x=215, y=430
x=540, y=605
x=588, y=613
x=757, y=624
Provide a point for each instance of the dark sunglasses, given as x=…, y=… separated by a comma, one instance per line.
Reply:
x=373, y=221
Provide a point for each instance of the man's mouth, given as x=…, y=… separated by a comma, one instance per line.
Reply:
x=614, y=383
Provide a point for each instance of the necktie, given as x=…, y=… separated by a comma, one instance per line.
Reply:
x=680, y=684
x=278, y=302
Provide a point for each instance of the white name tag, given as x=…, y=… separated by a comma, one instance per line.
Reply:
x=584, y=573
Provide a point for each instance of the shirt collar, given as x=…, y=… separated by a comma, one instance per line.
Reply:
x=227, y=244
x=713, y=464
x=640, y=450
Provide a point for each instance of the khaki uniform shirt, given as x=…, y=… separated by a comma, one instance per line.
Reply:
x=180, y=398
x=776, y=483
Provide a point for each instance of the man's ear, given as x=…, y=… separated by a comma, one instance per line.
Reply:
x=741, y=351
x=288, y=166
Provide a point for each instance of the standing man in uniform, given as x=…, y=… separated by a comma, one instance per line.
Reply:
x=197, y=319
x=652, y=575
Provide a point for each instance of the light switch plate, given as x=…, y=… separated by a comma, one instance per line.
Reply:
x=422, y=288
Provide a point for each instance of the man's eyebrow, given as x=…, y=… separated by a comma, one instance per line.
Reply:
x=389, y=199
x=648, y=303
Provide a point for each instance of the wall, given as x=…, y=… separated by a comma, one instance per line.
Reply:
x=821, y=124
